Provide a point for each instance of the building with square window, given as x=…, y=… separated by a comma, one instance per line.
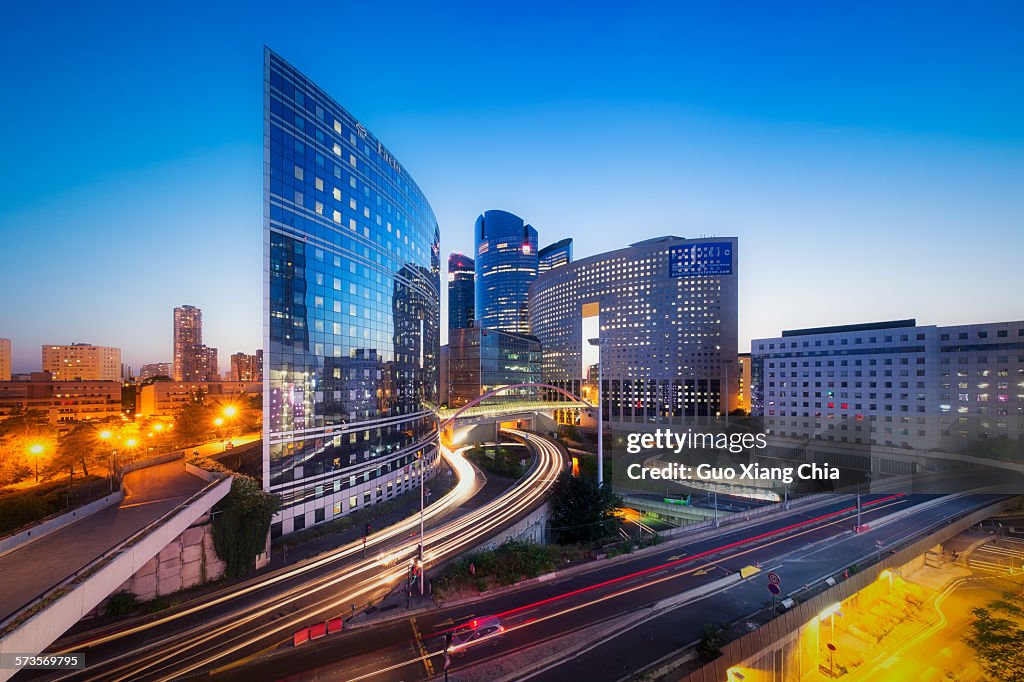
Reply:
x=666, y=311
x=481, y=360
x=893, y=384
x=351, y=310
x=82, y=362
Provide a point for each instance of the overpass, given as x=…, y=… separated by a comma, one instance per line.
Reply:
x=52, y=582
x=476, y=421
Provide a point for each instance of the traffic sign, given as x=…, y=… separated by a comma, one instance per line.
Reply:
x=774, y=589
x=774, y=579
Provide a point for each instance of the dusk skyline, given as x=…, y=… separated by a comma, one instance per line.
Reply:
x=862, y=185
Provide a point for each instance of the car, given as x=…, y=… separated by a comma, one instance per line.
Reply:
x=477, y=631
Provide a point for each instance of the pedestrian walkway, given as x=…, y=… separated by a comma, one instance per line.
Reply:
x=38, y=566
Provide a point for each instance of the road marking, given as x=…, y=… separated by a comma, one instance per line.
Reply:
x=423, y=650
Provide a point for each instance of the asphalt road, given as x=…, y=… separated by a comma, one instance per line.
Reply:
x=804, y=547
x=263, y=612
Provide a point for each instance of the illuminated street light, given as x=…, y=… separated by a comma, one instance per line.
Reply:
x=36, y=450
x=105, y=435
x=158, y=427
x=218, y=422
x=230, y=411
x=131, y=442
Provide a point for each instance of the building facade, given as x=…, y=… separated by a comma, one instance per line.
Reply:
x=506, y=265
x=351, y=309
x=5, y=359
x=742, y=401
x=166, y=398
x=62, y=401
x=461, y=291
x=554, y=255
x=666, y=310
x=245, y=367
x=481, y=360
x=188, y=336
x=893, y=384
x=156, y=369
x=82, y=362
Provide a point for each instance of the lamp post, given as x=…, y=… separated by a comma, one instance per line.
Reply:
x=105, y=436
x=36, y=450
x=423, y=476
x=600, y=343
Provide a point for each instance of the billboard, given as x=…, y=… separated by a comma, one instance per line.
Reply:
x=701, y=258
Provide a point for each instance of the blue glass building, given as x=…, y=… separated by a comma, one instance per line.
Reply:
x=351, y=309
x=461, y=291
x=554, y=255
x=506, y=265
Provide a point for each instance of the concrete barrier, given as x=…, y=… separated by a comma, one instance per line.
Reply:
x=52, y=523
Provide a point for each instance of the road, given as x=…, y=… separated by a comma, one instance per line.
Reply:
x=804, y=546
x=264, y=612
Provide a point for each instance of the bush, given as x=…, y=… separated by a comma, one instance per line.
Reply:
x=241, y=522
x=508, y=564
x=122, y=604
x=710, y=644
x=498, y=460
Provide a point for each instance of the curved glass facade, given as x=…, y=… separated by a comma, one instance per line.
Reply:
x=506, y=265
x=351, y=309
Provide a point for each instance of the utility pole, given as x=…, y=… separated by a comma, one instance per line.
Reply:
x=600, y=343
x=423, y=476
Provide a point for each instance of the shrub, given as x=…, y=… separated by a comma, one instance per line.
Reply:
x=122, y=603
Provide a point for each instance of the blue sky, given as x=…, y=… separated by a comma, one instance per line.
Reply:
x=870, y=158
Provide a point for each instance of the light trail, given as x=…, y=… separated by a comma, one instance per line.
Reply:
x=183, y=654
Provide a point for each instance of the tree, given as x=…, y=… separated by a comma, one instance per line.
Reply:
x=194, y=421
x=710, y=645
x=81, y=446
x=241, y=522
x=999, y=642
x=580, y=511
x=19, y=433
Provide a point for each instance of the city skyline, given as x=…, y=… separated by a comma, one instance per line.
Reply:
x=862, y=158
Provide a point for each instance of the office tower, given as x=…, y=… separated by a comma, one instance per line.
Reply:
x=188, y=336
x=82, y=362
x=554, y=255
x=506, y=265
x=351, y=309
x=666, y=310
x=481, y=360
x=893, y=384
x=461, y=293
x=743, y=386
x=5, y=359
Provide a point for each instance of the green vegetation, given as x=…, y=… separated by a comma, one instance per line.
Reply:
x=510, y=563
x=998, y=642
x=21, y=507
x=999, y=448
x=499, y=460
x=582, y=513
x=710, y=645
x=240, y=524
x=122, y=603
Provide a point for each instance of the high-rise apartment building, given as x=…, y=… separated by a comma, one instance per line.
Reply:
x=461, y=291
x=351, y=309
x=193, y=361
x=893, y=384
x=666, y=311
x=246, y=367
x=5, y=359
x=82, y=362
x=188, y=335
x=555, y=255
x=506, y=265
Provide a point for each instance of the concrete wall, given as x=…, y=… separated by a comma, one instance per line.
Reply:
x=12, y=542
x=41, y=624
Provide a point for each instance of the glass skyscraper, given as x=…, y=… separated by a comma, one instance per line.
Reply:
x=461, y=294
x=506, y=265
x=554, y=255
x=351, y=309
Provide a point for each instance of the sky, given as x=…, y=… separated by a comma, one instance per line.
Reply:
x=869, y=156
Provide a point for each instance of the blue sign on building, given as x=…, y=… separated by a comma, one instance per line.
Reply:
x=701, y=258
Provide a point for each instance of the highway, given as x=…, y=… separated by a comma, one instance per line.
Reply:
x=264, y=612
x=804, y=547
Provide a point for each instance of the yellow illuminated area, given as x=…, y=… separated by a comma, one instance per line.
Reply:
x=36, y=449
x=105, y=435
x=230, y=411
x=218, y=421
x=131, y=442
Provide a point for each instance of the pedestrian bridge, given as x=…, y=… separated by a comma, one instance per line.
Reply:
x=482, y=418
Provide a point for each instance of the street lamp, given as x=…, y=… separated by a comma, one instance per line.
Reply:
x=36, y=450
x=419, y=456
x=600, y=343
